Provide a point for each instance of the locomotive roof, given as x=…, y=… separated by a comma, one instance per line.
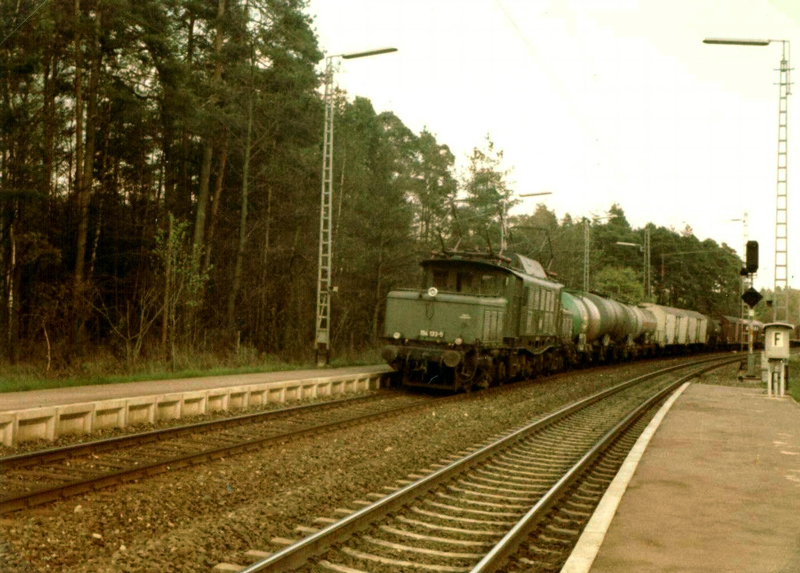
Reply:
x=512, y=262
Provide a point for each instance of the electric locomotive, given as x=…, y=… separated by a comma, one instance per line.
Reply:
x=481, y=319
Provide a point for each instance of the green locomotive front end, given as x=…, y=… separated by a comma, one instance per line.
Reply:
x=479, y=320
x=444, y=318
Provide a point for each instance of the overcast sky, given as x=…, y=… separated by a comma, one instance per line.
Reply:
x=597, y=101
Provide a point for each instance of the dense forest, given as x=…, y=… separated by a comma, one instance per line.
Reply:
x=160, y=192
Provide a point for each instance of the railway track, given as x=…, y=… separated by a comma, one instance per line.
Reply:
x=532, y=487
x=43, y=476
x=550, y=544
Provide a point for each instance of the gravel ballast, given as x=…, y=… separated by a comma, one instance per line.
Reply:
x=194, y=518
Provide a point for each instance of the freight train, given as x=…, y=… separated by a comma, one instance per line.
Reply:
x=482, y=319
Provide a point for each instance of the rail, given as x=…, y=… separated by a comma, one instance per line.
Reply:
x=300, y=552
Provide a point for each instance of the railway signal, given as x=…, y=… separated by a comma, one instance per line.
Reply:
x=751, y=264
x=751, y=297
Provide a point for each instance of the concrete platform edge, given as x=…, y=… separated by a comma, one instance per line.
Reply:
x=588, y=546
x=50, y=422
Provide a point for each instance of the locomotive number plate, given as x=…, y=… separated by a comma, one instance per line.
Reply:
x=432, y=333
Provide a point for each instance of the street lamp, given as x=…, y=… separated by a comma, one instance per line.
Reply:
x=322, y=341
x=644, y=249
x=780, y=308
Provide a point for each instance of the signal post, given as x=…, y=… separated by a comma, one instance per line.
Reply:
x=751, y=298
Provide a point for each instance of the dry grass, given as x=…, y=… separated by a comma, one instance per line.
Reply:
x=105, y=368
x=729, y=376
x=794, y=378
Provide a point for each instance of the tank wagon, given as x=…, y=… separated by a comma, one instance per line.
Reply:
x=482, y=319
x=607, y=329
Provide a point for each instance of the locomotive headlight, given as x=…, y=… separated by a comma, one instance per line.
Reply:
x=396, y=336
x=459, y=341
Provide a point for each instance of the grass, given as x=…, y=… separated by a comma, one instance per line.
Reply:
x=729, y=376
x=103, y=369
x=794, y=378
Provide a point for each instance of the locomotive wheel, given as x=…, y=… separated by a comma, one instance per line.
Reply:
x=464, y=373
x=502, y=373
x=556, y=362
x=538, y=365
x=523, y=366
x=410, y=374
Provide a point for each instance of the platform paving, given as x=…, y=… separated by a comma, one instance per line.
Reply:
x=81, y=394
x=716, y=490
x=48, y=414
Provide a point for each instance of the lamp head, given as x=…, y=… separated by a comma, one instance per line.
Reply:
x=354, y=55
x=735, y=42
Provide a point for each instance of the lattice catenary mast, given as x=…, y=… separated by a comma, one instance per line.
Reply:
x=587, y=244
x=322, y=338
x=780, y=307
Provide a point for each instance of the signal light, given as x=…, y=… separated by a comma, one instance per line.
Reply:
x=752, y=256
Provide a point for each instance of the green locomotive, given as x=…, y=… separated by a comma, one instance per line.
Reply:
x=480, y=320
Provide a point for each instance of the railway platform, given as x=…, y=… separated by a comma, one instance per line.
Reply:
x=716, y=490
x=47, y=414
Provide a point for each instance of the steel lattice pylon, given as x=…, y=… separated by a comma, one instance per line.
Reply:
x=322, y=340
x=648, y=292
x=780, y=308
x=586, y=254
x=323, y=335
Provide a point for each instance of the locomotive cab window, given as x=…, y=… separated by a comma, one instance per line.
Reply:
x=439, y=279
x=464, y=282
x=491, y=284
x=446, y=280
